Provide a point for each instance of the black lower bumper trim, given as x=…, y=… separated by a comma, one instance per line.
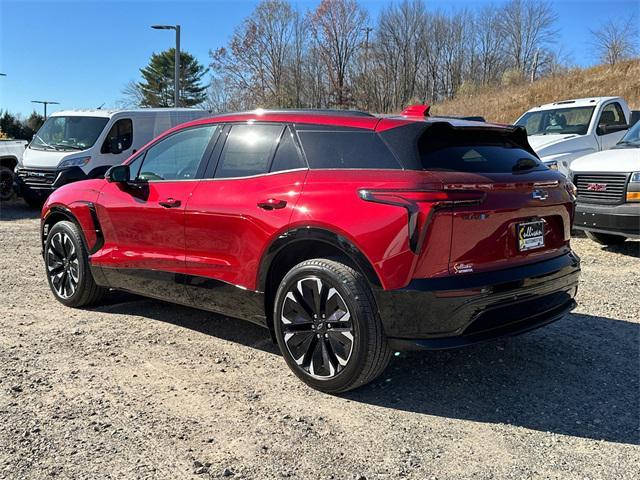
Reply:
x=615, y=219
x=510, y=329
x=459, y=310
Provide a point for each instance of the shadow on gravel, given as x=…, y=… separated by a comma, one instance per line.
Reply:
x=16, y=209
x=578, y=377
x=219, y=326
x=629, y=248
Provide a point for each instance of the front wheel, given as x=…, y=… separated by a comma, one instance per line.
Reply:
x=606, y=238
x=67, y=263
x=328, y=328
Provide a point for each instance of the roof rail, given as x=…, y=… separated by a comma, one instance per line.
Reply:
x=314, y=111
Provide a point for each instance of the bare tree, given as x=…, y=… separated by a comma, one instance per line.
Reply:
x=258, y=56
x=616, y=40
x=527, y=26
x=337, y=26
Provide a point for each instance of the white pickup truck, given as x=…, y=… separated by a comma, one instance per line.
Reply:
x=562, y=131
x=608, y=191
x=10, y=155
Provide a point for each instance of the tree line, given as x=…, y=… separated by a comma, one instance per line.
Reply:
x=14, y=126
x=338, y=56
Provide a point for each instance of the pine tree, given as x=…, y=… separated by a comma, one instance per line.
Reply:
x=157, y=85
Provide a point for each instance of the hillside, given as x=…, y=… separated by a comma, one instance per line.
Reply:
x=505, y=104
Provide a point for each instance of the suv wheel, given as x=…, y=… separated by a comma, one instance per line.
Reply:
x=327, y=326
x=606, y=238
x=67, y=264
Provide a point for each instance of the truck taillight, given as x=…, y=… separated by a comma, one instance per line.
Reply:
x=411, y=200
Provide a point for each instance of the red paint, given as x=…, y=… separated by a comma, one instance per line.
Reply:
x=222, y=228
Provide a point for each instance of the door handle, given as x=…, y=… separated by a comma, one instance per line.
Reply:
x=170, y=203
x=272, y=204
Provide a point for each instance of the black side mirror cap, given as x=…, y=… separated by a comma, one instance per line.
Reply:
x=118, y=174
x=605, y=129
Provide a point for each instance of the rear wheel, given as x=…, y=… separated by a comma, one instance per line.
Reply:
x=67, y=263
x=327, y=326
x=6, y=183
x=606, y=238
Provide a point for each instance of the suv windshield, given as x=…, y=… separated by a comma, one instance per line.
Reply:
x=560, y=121
x=68, y=133
x=631, y=138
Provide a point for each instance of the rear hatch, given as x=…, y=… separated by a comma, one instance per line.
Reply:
x=522, y=211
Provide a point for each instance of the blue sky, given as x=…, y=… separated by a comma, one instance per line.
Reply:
x=81, y=53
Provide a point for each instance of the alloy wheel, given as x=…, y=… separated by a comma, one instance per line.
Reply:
x=63, y=265
x=317, y=328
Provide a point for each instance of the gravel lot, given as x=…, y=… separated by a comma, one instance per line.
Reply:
x=137, y=388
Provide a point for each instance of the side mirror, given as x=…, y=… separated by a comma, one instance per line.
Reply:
x=606, y=129
x=115, y=146
x=118, y=174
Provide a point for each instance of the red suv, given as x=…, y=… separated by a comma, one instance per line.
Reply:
x=347, y=235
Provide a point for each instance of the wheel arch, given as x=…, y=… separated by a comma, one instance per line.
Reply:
x=8, y=161
x=298, y=245
x=58, y=213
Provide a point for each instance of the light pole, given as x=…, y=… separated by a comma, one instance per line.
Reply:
x=45, y=103
x=176, y=82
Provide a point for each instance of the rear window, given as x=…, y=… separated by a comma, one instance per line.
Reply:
x=346, y=149
x=474, y=151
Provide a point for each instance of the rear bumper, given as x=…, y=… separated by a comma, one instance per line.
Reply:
x=615, y=219
x=466, y=309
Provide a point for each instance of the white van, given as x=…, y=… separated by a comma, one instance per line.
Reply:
x=79, y=144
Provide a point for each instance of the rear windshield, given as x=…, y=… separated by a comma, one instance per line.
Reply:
x=474, y=151
x=346, y=149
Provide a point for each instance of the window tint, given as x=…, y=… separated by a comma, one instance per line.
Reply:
x=248, y=150
x=176, y=157
x=612, y=114
x=446, y=149
x=346, y=149
x=120, y=135
x=287, y=156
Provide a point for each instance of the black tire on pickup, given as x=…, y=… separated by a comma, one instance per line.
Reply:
x=606, y=238
x=6, y=183
x=327, y=326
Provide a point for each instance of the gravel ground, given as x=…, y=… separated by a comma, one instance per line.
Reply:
x=137, y=388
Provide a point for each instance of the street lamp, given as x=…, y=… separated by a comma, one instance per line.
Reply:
x=176, y=93
x=45, y=103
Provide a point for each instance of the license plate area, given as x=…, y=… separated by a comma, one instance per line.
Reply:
x=530, y=235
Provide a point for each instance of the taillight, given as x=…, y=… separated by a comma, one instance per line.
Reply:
x=411, y=199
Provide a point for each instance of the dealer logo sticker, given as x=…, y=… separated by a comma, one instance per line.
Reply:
x=463, y=268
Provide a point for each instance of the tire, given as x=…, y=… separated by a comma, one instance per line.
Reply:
x=606, y=238
x=33, y=199
x=6, y=183
x=67, y=266
x=337, y=355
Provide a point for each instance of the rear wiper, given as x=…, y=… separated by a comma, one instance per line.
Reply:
x=524, y=164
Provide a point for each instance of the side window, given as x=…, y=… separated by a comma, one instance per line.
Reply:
x=287, y=155
x=248, y=150
x=176, y=157
x=346, y=149
x=612, y=114
x=119, y=138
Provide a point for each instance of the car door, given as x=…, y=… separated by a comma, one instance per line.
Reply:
x=143, y=220
x=612, y=115
x=233, y=215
